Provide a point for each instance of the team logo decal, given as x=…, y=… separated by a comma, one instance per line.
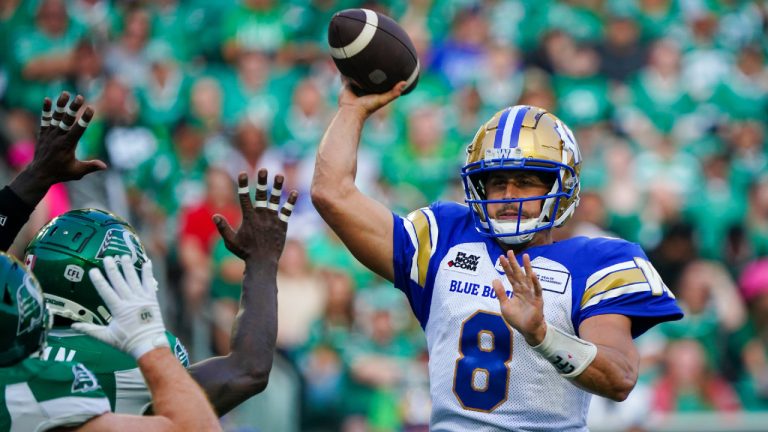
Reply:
x=121, y=242
x=30, y=306
x=84, y=380
x=464, y=262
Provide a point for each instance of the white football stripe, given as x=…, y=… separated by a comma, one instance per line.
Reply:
x=596, y=276
x=362, y=40
x=414, y=75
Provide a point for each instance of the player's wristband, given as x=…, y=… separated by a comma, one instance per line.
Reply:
x=567, y=353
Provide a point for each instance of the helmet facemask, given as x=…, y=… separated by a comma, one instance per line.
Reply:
x=542, y=146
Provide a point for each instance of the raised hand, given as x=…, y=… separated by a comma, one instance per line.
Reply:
x=54, y=160
x=368, y=104
x=524, y=311
x=137, y=325
x=262, y=232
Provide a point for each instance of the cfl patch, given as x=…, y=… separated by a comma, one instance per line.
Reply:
x=464, y=262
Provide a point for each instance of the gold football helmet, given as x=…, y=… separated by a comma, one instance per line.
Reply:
x=523, y=138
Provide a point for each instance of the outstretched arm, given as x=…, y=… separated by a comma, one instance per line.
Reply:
x=54, y=162
x=362, y=223
x=137, y=328
x=230, y=380
x=604, y=361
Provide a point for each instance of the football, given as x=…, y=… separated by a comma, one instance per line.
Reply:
x=372, y=51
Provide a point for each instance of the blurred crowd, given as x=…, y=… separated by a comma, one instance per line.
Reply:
x=667, y=98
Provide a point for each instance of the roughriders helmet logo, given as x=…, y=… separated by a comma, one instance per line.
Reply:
x=30, y=304
x=464, y=263
x=122, y=242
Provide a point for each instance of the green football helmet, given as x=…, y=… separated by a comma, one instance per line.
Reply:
x=24, y=319
x=67, y=248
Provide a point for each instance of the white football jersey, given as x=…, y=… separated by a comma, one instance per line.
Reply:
x=483, y=375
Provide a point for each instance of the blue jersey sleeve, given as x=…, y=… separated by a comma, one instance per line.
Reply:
x=622, y=281
x=414, y=241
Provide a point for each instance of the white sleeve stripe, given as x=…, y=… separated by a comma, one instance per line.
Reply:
x=409, y=228
x=616, y=292
x=598, y=275
x=432, y=230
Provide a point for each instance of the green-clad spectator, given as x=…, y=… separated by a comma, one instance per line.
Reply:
x=42, y=55
x=713, y=309
x=254, y=25
x=380, y=356
x=757, y=217
x=117, y=136
x=299, y=129
x=581, y=20
x=173, y=22
x=174, y=178
x=126, y=57
x=659, y=19
x=249, y=92
x=14, y=17
x=716, y=208
x=100, y=18
x=164, y=95
x=743, y=93
x=657, y=94
x=582, y=93
x=419, y=169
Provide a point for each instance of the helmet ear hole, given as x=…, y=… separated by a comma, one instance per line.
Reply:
x=81, y=312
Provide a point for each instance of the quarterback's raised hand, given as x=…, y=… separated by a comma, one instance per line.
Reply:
x=137, y=325
x=262, y=232
x=368, y=104
x=60, y=130
x=524, y=311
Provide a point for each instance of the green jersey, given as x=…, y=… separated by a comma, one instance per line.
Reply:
x=117, y=372
x=39, y=395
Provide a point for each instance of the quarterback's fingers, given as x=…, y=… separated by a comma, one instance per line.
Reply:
x=392, y=94
x=261, y=188
x=70, y=113
x=130, y=274
x=287, y=209
x=103, y=288
x=276, y=193
x=531, y=275
x=58, y=111
x=80, y=125
x=226, y=231
x=244, y=195
x=517, y=272
x=501, y=293
x=45, y=118
x=116, y=279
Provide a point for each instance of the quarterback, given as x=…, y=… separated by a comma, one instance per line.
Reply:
x=521, y=330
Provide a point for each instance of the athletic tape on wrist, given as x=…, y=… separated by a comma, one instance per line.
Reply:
x=567, y=353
